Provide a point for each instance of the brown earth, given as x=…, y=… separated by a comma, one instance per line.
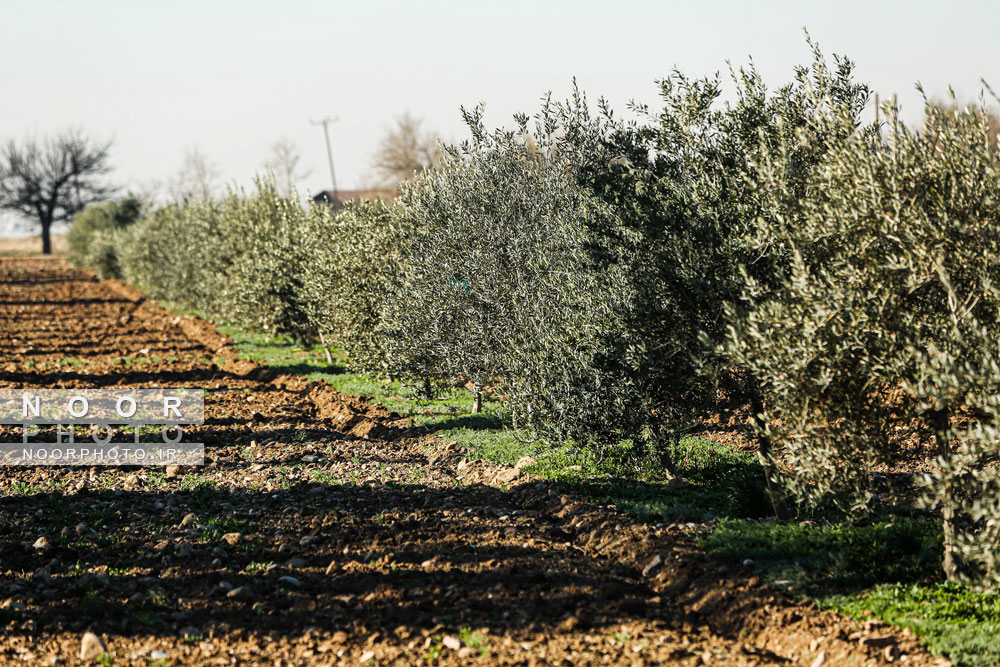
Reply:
x=326, y=530
x=31, y=245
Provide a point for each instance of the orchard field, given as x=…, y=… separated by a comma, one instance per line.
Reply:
x=324, y=529
x=715, y=383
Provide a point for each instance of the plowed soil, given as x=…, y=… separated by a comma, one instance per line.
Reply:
x=323, y=530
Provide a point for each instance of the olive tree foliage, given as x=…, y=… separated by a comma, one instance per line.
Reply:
x=587, y=267
x=96, y=235
x=273, y=239
x=964, y=485
x=352, y=266
x=242, y=259
x=498, y=275
x=950, y=369
x=809, y=344
x=264, y=262
x=887, y=314
x=681, y=181
x=180, y=253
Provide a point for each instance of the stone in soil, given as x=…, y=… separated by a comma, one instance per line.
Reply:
x=91, y=647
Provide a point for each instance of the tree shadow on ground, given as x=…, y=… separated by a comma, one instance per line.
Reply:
x=399, y=555
x=307, y=369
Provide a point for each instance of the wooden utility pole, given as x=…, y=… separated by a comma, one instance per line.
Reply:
x=329, y=152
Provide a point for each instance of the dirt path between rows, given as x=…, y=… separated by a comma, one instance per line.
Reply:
x=324, y=530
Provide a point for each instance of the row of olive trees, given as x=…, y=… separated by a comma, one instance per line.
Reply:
x=259, y=260
x=618, y=281
x=243, y=258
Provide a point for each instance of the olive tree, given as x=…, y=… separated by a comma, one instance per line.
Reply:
x=351, y=269
x=887, y=317
x=688, y=209
x=95, y=237
x=180, y=253
x=496, y=271
x=272, y=238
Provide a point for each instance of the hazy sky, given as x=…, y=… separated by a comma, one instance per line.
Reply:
x=231, y=77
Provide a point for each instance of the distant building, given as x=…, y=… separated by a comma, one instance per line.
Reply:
x=344, y=196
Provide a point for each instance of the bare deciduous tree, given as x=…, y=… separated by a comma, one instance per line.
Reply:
x=50, y=181
x=405, y=150
x=283, y=164
x=197, y=179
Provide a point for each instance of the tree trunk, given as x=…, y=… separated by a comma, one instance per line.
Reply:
x=326, y=349
x=940, y=422
x=477, y=402
x=46, y=236
x=766, y=452
x=667, y=461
